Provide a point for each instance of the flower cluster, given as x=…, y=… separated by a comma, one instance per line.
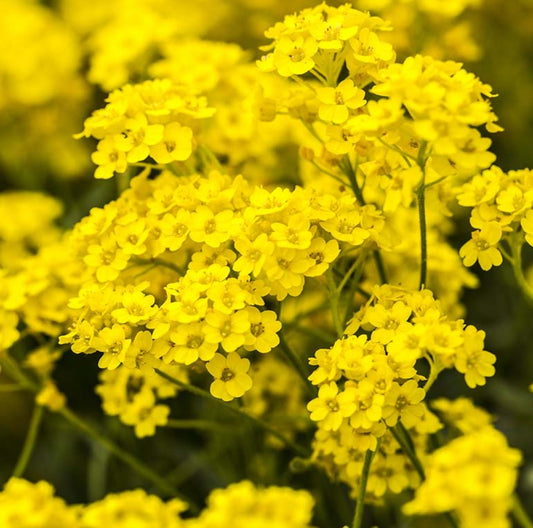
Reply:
x=121, y=38
x=235, y=134
x=445, y=103
x=368, y=380
x=502, y=211
x=443, y=29
x=474, y=476
x=240, y=505
x=178, y=269
x=26, y=224
x=156, y=119
x=134, y=395
x=320, y=39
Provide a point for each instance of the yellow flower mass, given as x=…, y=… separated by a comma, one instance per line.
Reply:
x=236, y=240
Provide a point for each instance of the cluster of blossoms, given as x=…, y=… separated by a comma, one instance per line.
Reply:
x=156, y=119
x=134, y=395
x=39, y=111
x=502, y=211
x=37, y=276
x=222, y=73
x=474, y=476
x=426, y=107
x=26, y=224
x=240, y=505
x=394, y=133
x=35, y=39
x=444, y=29
x=178, y=268
x=121, y=37
x=368, y=381
x=320, y=39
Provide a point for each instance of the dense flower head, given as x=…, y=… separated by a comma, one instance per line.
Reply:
x=474, y=476
x=241, y=505
x=444, y=29
x=134, y=395
x=22, y=502
x=180, y=271
x=26, y=224
x=123, y=36
x=319, y=39
x=35, y=39
x=154, y=119
x=502, y=211
x=368, y=380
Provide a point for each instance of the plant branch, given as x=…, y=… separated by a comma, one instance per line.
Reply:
x=256, y=421
x=29, y=443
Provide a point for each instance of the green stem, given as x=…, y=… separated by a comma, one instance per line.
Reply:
x=16, y=372
x=159, y=262
x=140, y=467
x=208, y=158
x=200, y=424
x=520, y=514
x=10, y=387
x=29, y=443
x=381, y=267
x=326, y=171
x=435, y=368
x=411, y=455
x=360, y=505
x=403, y=437
x=349, y=273
x=516, y=262
x=315, y=333
x=149, y=166
x=123, y=183
x=334, y=301
x=421, y=201
x=311, y=129
x=296, y=362
x=346, y=166
x=256, y=421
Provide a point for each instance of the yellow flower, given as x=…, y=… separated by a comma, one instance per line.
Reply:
x=294, y=56
x=176, y=144
x=136, y=308
x=229, y=330
x=472, y=361
x=330, y=408
x=527, y=226
x=253, y=254
x=113, y=343
x=483, y=247
x=190, y=343
x=210, y=228
x=402, y=402
x=144, y=414
x=387, y=320
x=231, y=376
x=107, y=259
x=109, y=157
x=337, y=102
x=264, y=327
x=50, y=397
